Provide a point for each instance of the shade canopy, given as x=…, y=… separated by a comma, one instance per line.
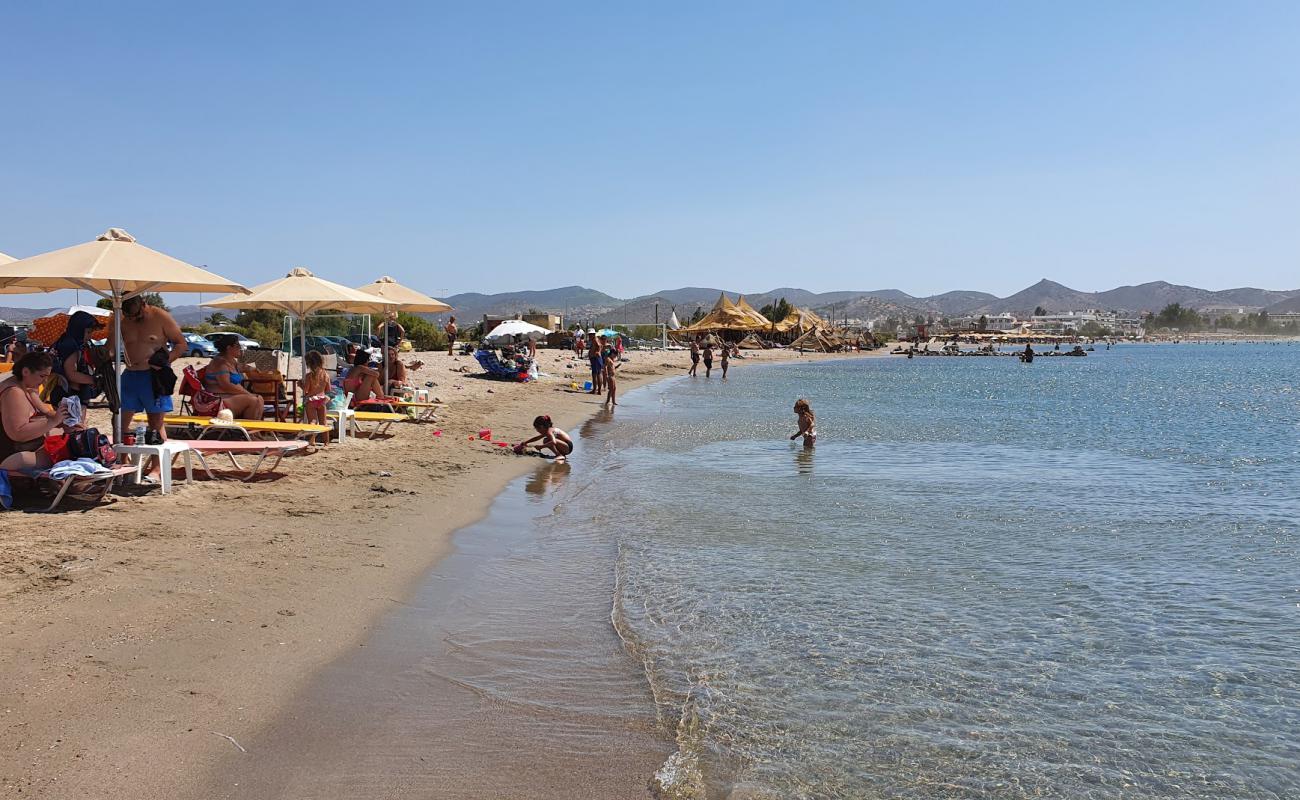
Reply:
x=727, y=316
x=407, y=298
x=800, y=320
x=301, y=293
x=752, y=313
x=7, y=259
x=113, y=264
x=4, y=259
x=516, y=327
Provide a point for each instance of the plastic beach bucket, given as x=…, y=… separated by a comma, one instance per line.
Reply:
x=486, y=433
x=587, y=386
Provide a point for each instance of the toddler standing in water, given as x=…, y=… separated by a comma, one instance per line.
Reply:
x=807, y=423
x=316, y=392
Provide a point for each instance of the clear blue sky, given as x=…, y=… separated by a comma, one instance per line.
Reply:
x=924, y=146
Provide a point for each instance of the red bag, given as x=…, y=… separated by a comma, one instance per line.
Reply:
x=56, y=446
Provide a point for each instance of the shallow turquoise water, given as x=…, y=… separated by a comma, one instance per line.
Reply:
x=1076, y=578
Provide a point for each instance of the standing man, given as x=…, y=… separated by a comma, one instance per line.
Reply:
x=146, y=333
x=450, y=328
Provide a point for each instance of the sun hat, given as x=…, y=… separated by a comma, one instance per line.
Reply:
x=591, y=330
x=224, y=418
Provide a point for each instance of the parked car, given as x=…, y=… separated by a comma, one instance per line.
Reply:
x=326, y=345
x=198, y=346
x=362, y=339
x=244, y=341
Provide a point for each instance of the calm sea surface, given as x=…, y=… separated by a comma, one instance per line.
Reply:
x=1077, y=578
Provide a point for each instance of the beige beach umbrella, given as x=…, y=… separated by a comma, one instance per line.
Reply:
x=116, y=267
x=301, y=294
x=408, y=299
x=7, y=259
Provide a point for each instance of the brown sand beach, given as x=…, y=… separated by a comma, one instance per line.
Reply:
x=147, y=640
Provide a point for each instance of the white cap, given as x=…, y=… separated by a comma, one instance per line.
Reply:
x=591, y=330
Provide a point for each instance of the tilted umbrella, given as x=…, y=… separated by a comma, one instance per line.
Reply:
x=407, y=299
x=516, y=327
x=301, y=294
x=116, y=267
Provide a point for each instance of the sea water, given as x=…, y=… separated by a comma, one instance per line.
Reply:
x=1073, y=578
x=1076, y=578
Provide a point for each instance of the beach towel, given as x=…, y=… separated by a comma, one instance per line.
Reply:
x=6, y=492
x=80, y=468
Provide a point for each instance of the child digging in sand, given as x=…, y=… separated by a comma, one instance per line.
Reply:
x=552, y=439
x=807, y=423
x=316, y=391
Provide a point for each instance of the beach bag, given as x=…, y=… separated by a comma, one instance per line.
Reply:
x=56, y=447
x=90, y=443
x=204, y=403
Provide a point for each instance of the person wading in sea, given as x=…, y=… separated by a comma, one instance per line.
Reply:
x=807, y=423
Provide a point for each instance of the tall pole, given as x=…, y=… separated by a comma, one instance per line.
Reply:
x=656, y=312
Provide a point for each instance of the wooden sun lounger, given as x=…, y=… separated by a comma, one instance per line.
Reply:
x=294, y=429
x=261, y=449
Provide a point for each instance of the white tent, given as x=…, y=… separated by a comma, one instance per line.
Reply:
x=673, y=324
x=516, y=327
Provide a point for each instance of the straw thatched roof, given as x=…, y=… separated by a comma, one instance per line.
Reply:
x=753, y=313
x=727, y=316
x=801, y=320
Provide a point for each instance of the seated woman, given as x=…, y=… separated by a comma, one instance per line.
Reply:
x=24, y=418
x=362, y=381
x=223, y=378
x=70, y=360
x=397, y=378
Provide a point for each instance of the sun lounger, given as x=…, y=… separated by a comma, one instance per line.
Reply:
x=382, y=421
x=248, y=426
x=497, y=369
x=424, y=412
x=103, y=483
x=261, y=449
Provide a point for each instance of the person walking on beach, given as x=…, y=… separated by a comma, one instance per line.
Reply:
x=807, y=423
x=708, y=358
x=597, y=362
x=695, y=357
x=726, y=358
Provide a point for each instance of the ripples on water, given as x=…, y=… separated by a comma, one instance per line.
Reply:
x=1076, y=578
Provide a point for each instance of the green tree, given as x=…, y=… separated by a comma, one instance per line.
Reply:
x=1175, y=316
x=1094, y=330
x=983, y=323
x=777, y=311
x=1039, y=311
x=697, y=316
x=150, y=299
x=424, y=335
x=218, y=319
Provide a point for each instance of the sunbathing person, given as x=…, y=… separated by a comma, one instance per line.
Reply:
x=223, y=378
x=362, y=381
x=552, y=439
x=24, y=418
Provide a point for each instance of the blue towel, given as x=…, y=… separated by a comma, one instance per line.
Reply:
x=6, y=493
x=81, y=468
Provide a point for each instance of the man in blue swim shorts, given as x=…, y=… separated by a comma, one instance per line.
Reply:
x=146, y=333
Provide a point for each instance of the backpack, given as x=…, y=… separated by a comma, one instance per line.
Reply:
x=90, y=443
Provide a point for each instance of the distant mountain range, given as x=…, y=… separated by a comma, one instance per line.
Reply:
x=580, y=303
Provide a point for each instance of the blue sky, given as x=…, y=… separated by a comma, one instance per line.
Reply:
x=924, y=146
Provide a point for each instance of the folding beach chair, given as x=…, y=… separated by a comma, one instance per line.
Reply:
x=100, y=485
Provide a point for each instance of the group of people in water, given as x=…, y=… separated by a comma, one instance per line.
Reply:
x=704, y=350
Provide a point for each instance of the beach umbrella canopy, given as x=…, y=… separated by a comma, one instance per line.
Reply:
x=407, y=299
x=301, y=294
x=48, y=330
x=516, y=327
x=6, y=259
x=116, y=267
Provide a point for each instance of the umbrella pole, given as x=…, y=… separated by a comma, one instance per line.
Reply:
x=117, y=365
x=387, y=323
x=302, y=347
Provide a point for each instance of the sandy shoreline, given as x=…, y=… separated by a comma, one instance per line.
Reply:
x=138, y=636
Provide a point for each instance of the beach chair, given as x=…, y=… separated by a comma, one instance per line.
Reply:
x=194, y=398
x=200, y=425
x=382, y=421
x=270, y=385
x=493, y=366
x=420, y=412
x=100, y=485
x=262, y=449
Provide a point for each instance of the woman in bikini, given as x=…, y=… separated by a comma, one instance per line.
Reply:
x=807, y=423
x=24, y=418
x=552, y=439
x=223, y=378
x=362, y=381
